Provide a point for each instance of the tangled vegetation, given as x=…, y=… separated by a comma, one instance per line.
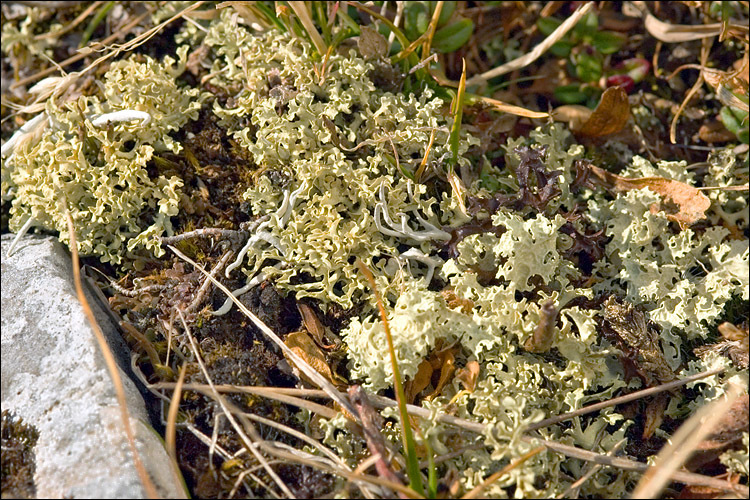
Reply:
x=407, y=190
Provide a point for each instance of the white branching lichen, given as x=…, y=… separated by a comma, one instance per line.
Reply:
x=123, y=116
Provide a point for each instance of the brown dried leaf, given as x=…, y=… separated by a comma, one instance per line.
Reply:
x=420, y=381
x=714, y=131
x=453, y=301
x=371, y=44
x=610, y=115
x=469, y=375
x=655, y=414
x=313, y=325
x=304, y=346
x=445, y=361
x=573, y=114
x=690, y=203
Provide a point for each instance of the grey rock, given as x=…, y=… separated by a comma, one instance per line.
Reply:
x=55, y=377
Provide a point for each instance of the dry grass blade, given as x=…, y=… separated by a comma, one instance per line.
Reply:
x=316, y=377
x=696, y=86
x=300, y=8
x=570, y=451
x=505, y=107
x=83, y=15
x=80, y=55
x=130, y=45
x=276, y=393
x=676, y=33
x=335, y=459
x=348, y=475
x=623, y=399
x=431, y=29
x=684, y=443
x=174, y=407
x=114, y=370
x=625, y=464
x=537, y=51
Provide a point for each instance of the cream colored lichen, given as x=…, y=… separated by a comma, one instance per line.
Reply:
x=99, y=173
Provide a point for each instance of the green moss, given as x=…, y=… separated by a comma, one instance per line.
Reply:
x=18, y=441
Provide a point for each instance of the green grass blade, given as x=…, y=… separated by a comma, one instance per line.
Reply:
x=457, y=109
x=412, y=464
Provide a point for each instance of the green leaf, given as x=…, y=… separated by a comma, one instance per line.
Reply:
x=607, y=42
x=423, y=21
x=570, y=94
x=451, y=37
x=587, y=26
x=733, y=120
x=445, y=15
x=588, y=68
x=411, y=15
x=547, y=25
x=561, y=49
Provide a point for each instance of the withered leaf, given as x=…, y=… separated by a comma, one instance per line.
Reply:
x=313, y=325
x=543, y=336
x=371, y=44
x=445, y=362
x=714, y=131
x=655, y=414
x=610, y=115
x=469, y=375
x=304, y=346
x=690, y=203
x=420, y=381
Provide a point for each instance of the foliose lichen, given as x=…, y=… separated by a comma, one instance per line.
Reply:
x=334, y=158
x=346, y=149
x=99, y=173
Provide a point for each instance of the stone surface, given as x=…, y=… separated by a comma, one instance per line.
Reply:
x=55, y=377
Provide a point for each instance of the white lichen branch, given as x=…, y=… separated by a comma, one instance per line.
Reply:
x=24, y=229
x=27, y=129
x=282, y=216
x=402, y=230
x=126, y=115
x=227, y=306
x=418, y=255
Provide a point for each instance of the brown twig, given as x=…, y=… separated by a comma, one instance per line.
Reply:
x=80, y=55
